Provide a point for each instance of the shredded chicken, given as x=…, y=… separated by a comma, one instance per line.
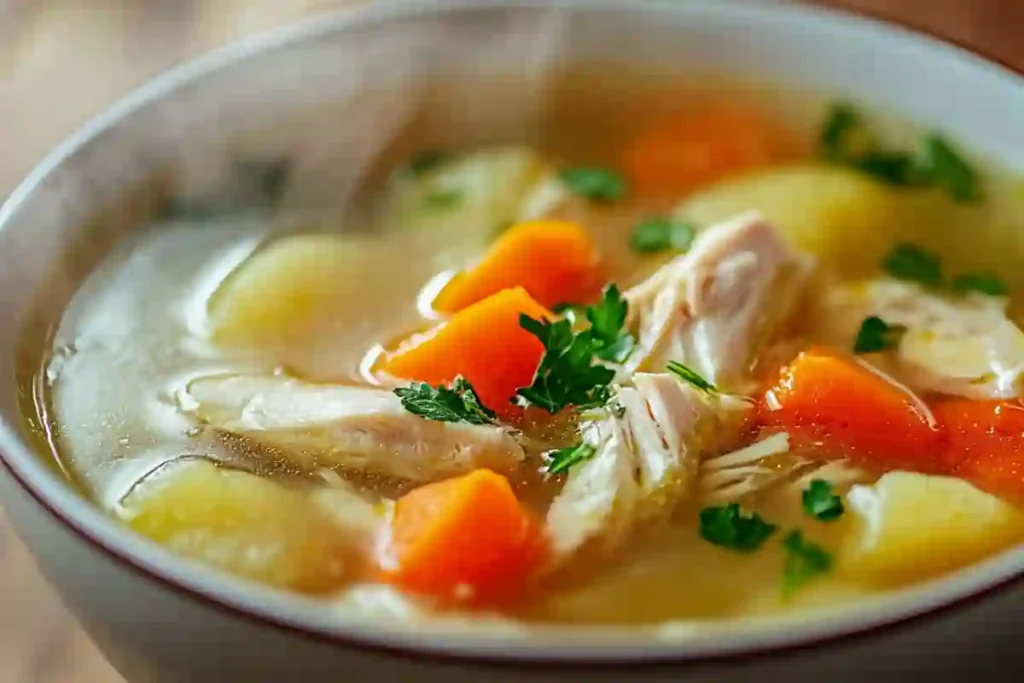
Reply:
x=645, y=460
x=958, y=345
x=354, y=428
x=715, y=306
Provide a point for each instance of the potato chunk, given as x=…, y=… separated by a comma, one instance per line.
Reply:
x=246, y=525
x=908, y=527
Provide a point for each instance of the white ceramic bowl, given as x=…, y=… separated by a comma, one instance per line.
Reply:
x=314, y=85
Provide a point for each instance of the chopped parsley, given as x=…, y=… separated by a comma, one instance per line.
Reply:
x=727, y=527
x=459, y=403
x=979, y=282
x=443, y=199
x=804, y=561
x=427, y=160
x=687, y=375
x=659, y=233
x=594, y=183
x=910, y=262
x=559, y=461
x=876, y=335
x=821, y=503
x=569, y=373
x=845, y=139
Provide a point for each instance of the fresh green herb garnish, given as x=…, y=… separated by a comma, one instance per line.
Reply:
x=443, y=199
x=567, y=374
x=876, y=335
x=893, y=168
x=687, y=375
x=943, y=166
x=841, y=122
x=559, y=461
x=594, y=183
x=979, y=282
x=821, y=502
x=459, y=403
x=910, y=262
x=727, y=527
x=804, y=561
x=427, y=160
x=659, y=233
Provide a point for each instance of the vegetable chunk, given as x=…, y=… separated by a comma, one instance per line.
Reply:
x=554, y=261
x=467, y=534
x=985, y=443
x=484, y=344
x=250, y=526
x=909, y=527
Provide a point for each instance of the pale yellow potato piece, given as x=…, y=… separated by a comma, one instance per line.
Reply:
x=249, y=526
x=909, y=526
x=840, y=216
x=297, y=290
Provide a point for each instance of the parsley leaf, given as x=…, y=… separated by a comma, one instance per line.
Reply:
x=804, y=561
x=559, y=461
x=944, y=167
x=443, y=199
x=841, y=122
x=594, y=183
x=687, y=375
x=821, y=503
x=459, y=403
x=427, y=160
x=910, y=262
x=727, y=527
x=979, y=282
x=877, y=335
x=893, y=168
x=567, y=374
x=660, y=233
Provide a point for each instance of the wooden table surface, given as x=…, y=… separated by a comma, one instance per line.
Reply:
x=61, y=61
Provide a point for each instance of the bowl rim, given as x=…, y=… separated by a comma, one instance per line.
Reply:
x=268, y=608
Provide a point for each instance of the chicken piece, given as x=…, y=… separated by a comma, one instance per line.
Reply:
x=355, y=428
x=958, y=345
x=715, y=306
x=646, y=456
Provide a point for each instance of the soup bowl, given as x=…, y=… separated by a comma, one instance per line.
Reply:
x=329, y=97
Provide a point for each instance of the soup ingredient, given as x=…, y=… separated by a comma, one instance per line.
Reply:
x=364, y=429
x=820, y=502
x=715, y=307
x=804, y=561
x=599, y=184
x=291, y=293
x=456, y=404
x=729, y=528
x=963, y=345
x=463, y=538
x=427, y=160
x=942, y=165
x=985, y=443
x=850, y=409
x=247, y=525
x=554, y=261
x=914, y=264
x=570, y=372
x=484, y=343
x=679, y=154
x=561, y=460
x=908, y=527
x=730, y=476
x=840, y=217
x=876, y=335
x=644, y=463
x=661, y=233
x=983, y=283
x=687, y=375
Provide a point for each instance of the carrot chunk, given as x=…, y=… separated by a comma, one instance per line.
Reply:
x=985, y=443
x=464, y=535
x=681, y=153
x=556, y=262
x=839, y=403
x=484, y=343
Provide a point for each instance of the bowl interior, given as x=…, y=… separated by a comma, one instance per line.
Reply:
x=332, y=95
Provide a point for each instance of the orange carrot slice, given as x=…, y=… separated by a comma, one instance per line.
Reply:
x=484, y=343
x=850, y=409
x=466, y=538
x=681, y=153
x=555, y=261
x=985, y=443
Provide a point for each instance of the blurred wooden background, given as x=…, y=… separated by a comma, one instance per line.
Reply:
x=63, y=60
